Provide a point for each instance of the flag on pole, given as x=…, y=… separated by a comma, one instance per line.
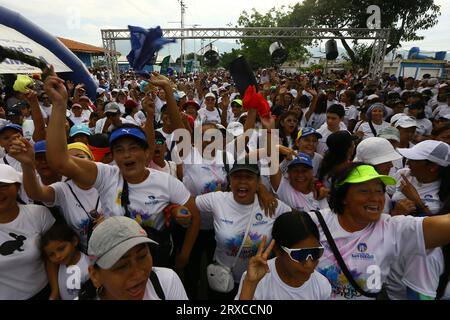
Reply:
x=165, y=65
x=144, y=46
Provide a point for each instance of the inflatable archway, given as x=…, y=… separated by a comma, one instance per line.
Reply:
x=79, y=74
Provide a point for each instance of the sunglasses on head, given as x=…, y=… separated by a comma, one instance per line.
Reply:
x=303, y=254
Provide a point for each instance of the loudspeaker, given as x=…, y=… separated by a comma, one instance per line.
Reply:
x=211, y=57
x=278, y=53
x=331, y=49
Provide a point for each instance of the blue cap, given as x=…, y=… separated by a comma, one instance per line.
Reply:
x=301, y=158
x=80, y=128
x=40, y=146
x=12, y=126
x=127, y=132
x=307, y=131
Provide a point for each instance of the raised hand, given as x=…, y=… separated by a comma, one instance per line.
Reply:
x=21, y=150
x=55, y=89
x=31, y=97
x=257, y=265
x=159, y=80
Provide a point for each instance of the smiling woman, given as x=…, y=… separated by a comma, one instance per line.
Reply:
x=366, y=241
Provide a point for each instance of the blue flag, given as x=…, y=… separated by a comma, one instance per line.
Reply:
x=144, y=46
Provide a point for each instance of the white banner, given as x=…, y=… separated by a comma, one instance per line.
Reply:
x=10, y=38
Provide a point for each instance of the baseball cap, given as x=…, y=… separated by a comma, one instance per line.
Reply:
x=364, y=173
x=112, y=107
x=100, y=91
x=40, y=147
x=84, y=98
x=237, y=101
x=301, y=158
x=13, y=111
x=405, y=122
x=113, y=238
x=235, y=128
x=389, y=133
x=376, y=150
x=76, y=105
x=432, y=150
x=307, y=131
x=181, y=94
x=253, y=168
x=127, y=132
x=9, y=175
x=12, y=126
x=396, y=116
x=372, y=97
x=80, y=128
x=81, y=146
x=210, y=95
x=191, y=103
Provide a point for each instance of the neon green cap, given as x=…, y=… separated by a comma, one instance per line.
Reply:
x=365, y=173
x=238, y=101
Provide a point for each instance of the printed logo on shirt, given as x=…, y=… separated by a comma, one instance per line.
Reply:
x=250, y=245
x=339, y=283
x=152, y=201
x=226, y=221
x=260, y=219
x=8, y=247
x=362, y=248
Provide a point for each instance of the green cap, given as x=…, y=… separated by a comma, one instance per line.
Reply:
x=365, y=173
x=238, y=101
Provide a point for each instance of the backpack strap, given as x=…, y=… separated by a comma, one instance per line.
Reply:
x=157, y=285
x=372, y=128
x=339, y=258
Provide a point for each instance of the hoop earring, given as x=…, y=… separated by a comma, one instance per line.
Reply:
x=99, y=291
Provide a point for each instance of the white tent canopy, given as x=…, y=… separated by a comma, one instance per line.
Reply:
x=10, y=38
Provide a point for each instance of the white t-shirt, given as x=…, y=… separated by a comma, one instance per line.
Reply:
x=316, y=161
x=147, y=199
x=271, y=287
x=73, y=213
x=419, y=273
x=69, y=290
x=351, y=113
x=325, y=132
x=230, y=223
x=429, y=192
x=204, y=115
x=79, y=120
x=46, y=111
x=168, y=137
x=22, y=269
x=28, y=129
x=101, y=123
x=170, y=284
x=368, y=253
x=169, y=168
x=204, y=178
x=365, y=128
x=316, y=120
x=297, y=200
x=8, y=160
x=424, y=127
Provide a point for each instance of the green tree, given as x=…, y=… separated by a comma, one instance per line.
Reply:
x=227, y=57
x=362, y=54
x=256, y=51
x=404, y=17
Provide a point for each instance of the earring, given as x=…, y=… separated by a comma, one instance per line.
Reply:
x=99, y=290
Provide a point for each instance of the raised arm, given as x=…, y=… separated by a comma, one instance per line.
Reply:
x=313, y=105
x=191, y=235
x=436, y=231
x=79, y=170
x=36, y=115
x=23, y=152
x=149, y=107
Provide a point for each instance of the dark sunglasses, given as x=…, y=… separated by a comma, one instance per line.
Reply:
x=303, y=254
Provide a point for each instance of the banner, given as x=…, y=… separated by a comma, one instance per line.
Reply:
x=10, y=38
x=165, y=65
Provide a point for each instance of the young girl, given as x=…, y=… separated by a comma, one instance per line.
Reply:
x=291, y=275
x=59, y=245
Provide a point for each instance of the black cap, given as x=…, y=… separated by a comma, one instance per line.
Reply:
x=242, y=75
x=253, y=168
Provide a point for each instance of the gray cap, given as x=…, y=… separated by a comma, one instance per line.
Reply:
x=390, y=133
x=112, y=107
x=113, y=238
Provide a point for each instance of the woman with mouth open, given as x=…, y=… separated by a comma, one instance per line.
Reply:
x=367, y=240
x=129, y=188
x=122, y=266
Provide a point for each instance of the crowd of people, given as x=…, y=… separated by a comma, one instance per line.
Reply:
x=96, y=201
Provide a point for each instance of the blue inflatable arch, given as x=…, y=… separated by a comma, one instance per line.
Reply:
x=80, y=73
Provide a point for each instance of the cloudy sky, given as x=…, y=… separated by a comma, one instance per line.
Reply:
x=82, y=20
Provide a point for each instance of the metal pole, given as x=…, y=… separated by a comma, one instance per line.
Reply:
x=182, y=34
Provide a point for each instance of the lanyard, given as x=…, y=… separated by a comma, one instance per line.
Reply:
x=79, y=202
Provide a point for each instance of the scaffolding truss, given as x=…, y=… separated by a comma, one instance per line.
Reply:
x=379, y=36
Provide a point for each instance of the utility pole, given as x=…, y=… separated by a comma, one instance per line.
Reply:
x=183, y=10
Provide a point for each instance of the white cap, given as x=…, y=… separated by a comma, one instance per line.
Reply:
x=100, y=90
x=115, y=90
x=214, y=87
x=294, y=93
x=210, y=95
x=432, y=150
x=235, y=128
x=397, y=116
x=375, y=150
x=443, y=85
x=9, y=175
x=406, y=122
x=181, y=94
x=113, y=238
x=372, y=96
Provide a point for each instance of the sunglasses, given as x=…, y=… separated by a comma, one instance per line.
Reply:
x=159, y=142
x=302, y=255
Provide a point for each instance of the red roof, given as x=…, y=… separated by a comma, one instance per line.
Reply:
x=81, y=47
